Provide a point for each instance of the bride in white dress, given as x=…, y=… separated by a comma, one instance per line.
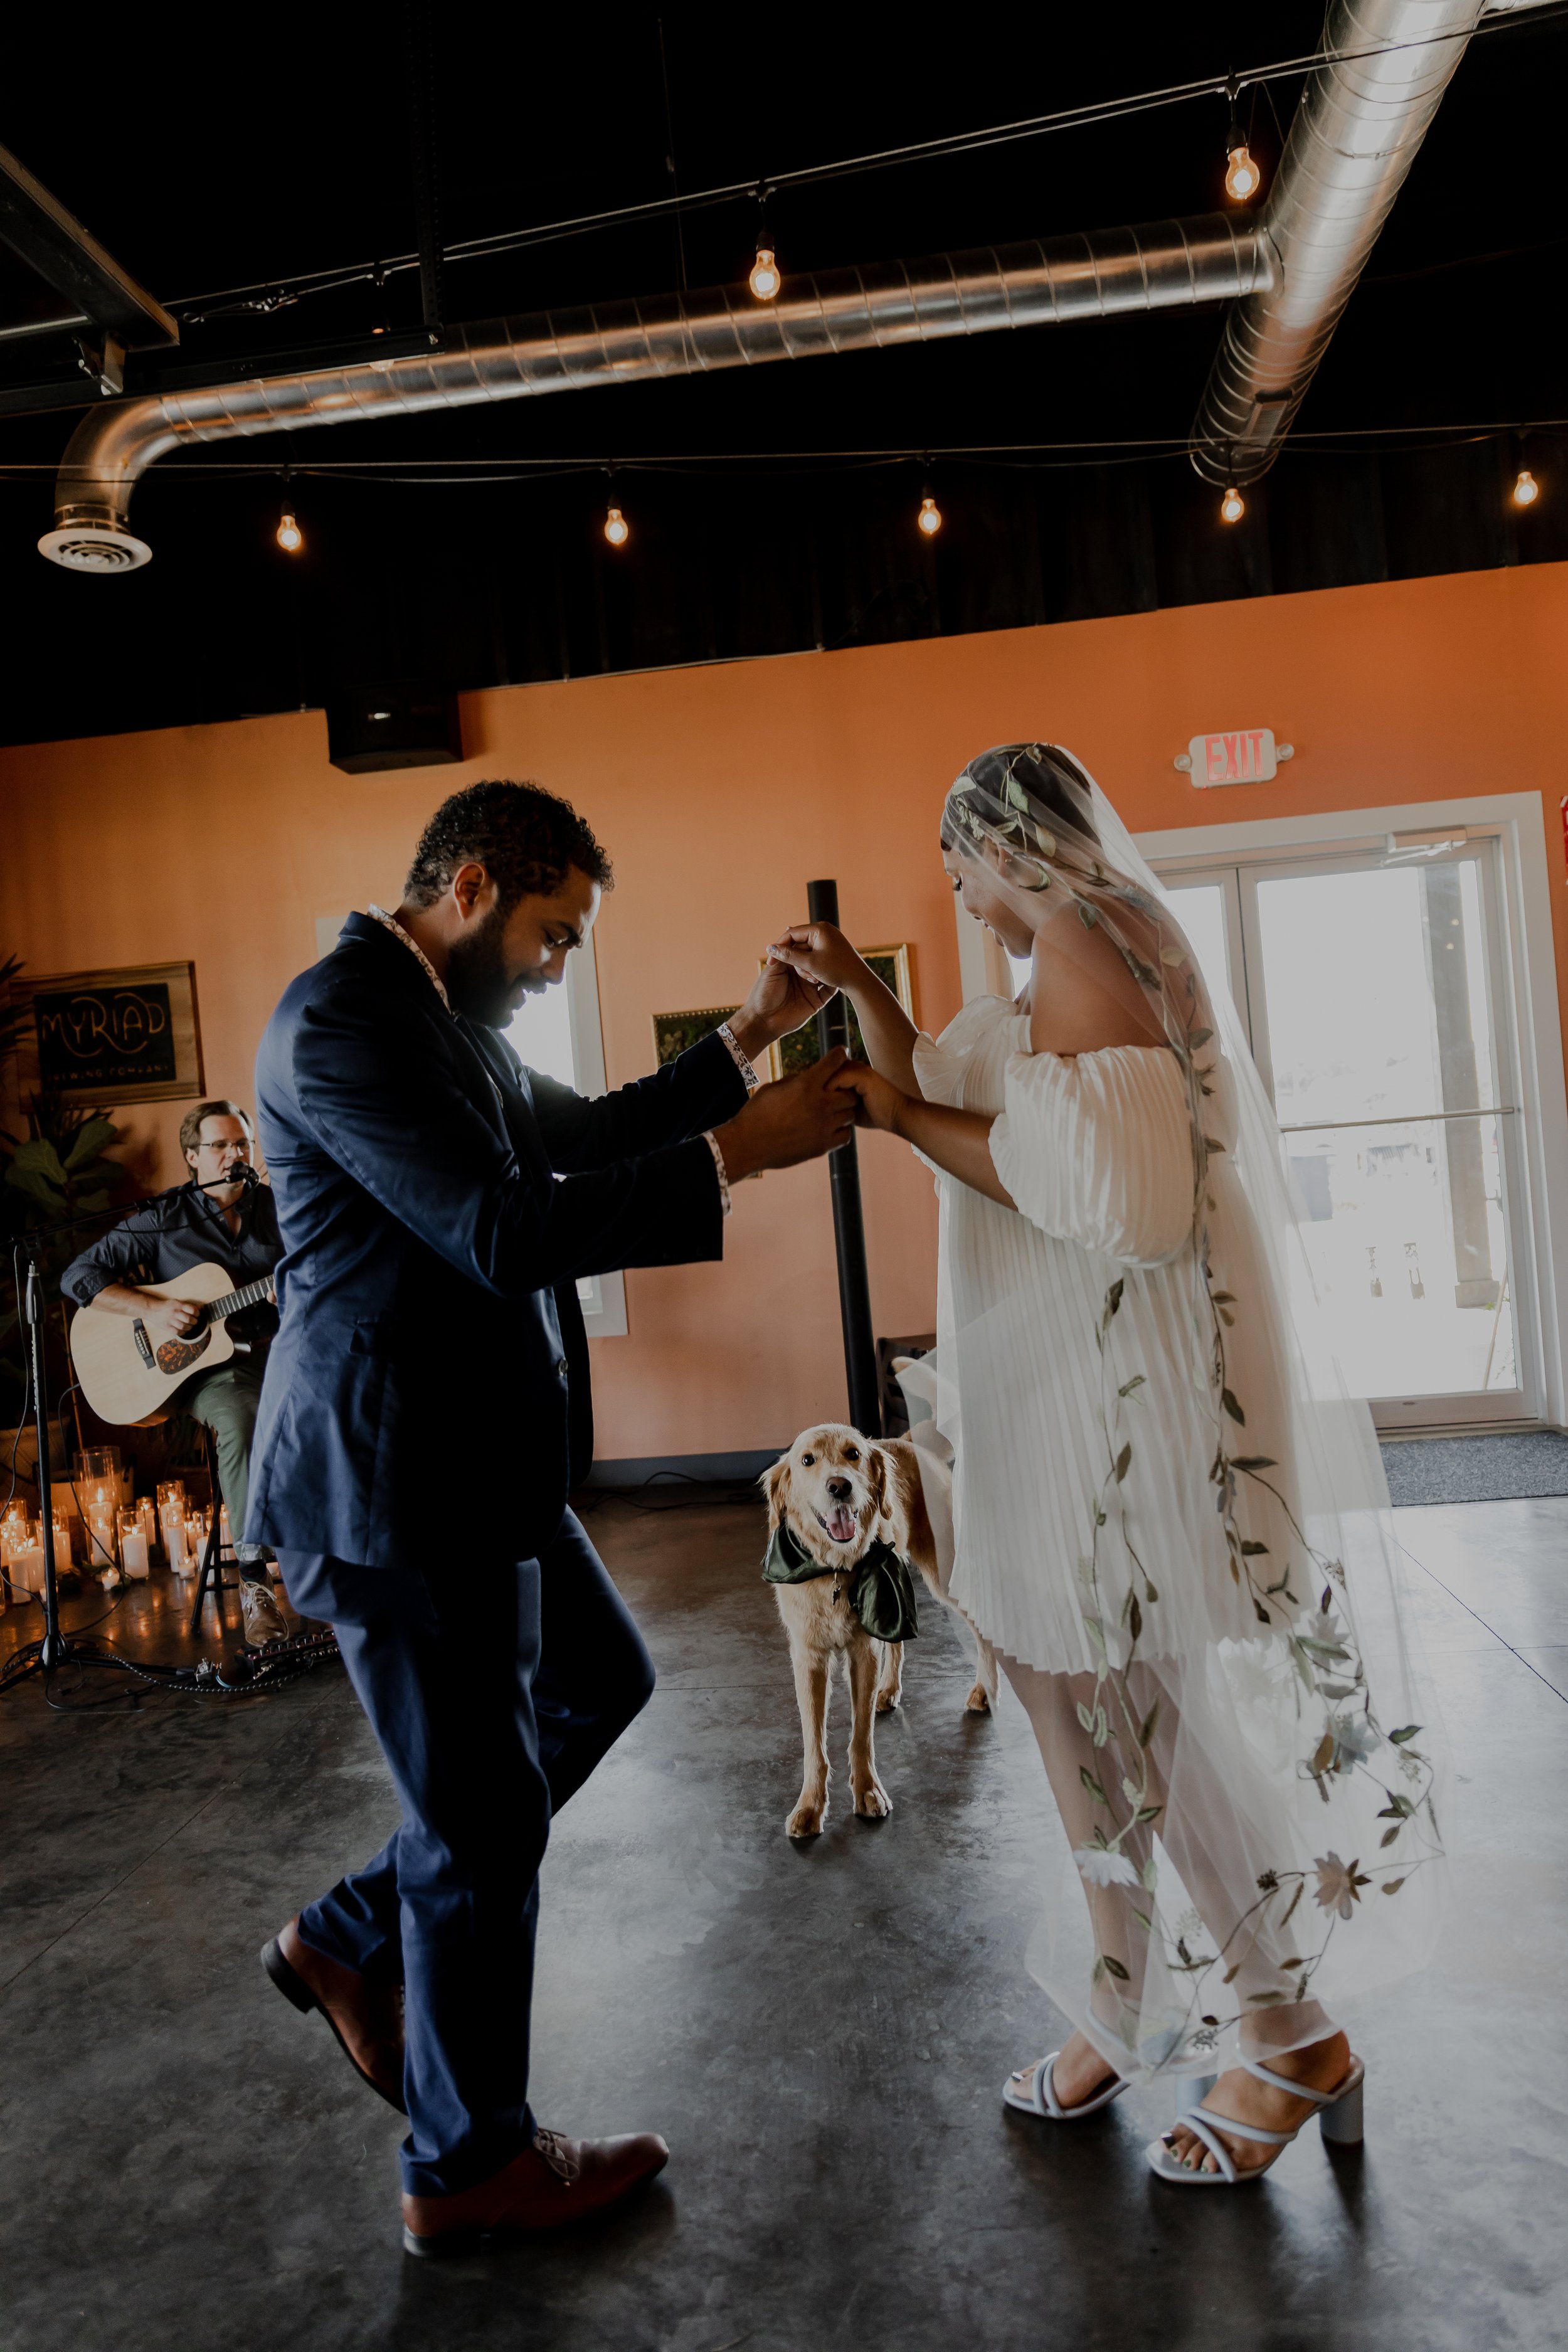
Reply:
x=1168, y=1518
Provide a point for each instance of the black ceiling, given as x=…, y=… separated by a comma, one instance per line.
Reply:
x=205, y=168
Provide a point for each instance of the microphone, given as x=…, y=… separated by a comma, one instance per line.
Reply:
x=242, y=1173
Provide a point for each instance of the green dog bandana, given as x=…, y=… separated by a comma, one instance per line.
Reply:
x=881, y=1590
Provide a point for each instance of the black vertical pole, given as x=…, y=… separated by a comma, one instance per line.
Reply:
x=848, y=1224
x=51, y=1648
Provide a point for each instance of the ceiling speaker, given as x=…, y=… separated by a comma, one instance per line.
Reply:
x=372, y=727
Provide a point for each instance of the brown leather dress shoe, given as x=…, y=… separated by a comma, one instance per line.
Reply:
x=366, y=2019
x=554, y=2182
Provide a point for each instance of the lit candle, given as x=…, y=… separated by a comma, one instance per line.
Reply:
x=175, y=1541
x=29, y=1568
x=133, y=1544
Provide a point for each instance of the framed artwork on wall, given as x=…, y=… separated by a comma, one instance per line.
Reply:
x=673, y=1033
x=131, y=1035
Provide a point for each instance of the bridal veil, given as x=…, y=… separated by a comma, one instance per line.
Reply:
x=1212, y=1653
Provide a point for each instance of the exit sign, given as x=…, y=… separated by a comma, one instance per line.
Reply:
x=1242, y=755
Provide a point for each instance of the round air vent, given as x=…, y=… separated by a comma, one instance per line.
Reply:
x=94, y=547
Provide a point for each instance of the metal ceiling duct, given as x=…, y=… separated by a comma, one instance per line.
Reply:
x=1167, y=264
x=1361, y=120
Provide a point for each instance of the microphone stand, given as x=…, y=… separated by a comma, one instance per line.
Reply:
x=58, y=1648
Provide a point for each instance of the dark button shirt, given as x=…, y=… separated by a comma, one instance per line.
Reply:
x=185, y=1229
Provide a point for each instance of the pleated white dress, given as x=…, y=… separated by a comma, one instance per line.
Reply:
x=1097, y=1151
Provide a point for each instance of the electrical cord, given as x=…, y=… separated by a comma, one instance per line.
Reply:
x=723, y=1493
x=1135, y=449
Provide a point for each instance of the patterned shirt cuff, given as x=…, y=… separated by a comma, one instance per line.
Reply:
x=722, y=1173
x=741, y=1061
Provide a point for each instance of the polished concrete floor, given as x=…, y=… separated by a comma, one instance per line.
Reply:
x=820, y=2032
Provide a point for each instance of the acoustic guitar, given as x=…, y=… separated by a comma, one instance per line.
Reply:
x=126, y=1375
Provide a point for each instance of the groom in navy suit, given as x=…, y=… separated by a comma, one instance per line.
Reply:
x=425, y=1408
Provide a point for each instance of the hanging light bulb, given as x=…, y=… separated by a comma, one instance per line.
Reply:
x=617, y=530
x=928, y=518
x=1527, y=489
x=1233, y=506
x=291, y=538
x=766, y=276
x=1243, y=176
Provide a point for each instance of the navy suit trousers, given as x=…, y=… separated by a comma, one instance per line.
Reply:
x=492, y=1693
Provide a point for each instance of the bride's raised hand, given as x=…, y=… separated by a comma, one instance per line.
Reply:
x=821, y=953
x=880, y=1101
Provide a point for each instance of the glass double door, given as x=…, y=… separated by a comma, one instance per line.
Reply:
x=1373, y=990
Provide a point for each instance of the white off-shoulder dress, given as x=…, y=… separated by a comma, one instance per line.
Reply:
x=1097, y=1152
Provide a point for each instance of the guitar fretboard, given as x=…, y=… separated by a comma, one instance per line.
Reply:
x=220, y=1309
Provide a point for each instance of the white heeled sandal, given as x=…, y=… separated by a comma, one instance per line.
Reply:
x=1041, y=2098
x=1339, y=2119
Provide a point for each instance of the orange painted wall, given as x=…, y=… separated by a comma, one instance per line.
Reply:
x=720, y=793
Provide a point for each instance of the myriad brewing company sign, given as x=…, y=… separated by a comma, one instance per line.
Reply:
x=104, y=1036
x=1240, y=755
x=107, y=1037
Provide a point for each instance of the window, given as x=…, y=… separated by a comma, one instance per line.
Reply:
x=1372, y=984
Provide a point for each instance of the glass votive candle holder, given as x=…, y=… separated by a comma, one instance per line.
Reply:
x=132, y=1545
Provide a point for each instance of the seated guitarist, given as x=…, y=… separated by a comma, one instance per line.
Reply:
x=235, y=1226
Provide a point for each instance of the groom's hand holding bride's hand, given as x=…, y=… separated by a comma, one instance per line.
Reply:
x=820, y=955
x=781, y=999
x=796, y=1118
x=877, y=1101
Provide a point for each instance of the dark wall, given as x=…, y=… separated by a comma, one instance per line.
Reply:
x=504, y=583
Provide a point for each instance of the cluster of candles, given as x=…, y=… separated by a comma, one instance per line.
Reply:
x=117, y=1534
x=185, y=1529
x=21, y=1553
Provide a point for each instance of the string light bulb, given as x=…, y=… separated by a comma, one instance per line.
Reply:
x=291, y=538
x=1527, y=489
x=1233, y=506
x=766, y=276
x=928, y=518
x=617, y=530
x=1243, y=176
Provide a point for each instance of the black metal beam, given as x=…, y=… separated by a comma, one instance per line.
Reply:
x=150, y=376
x=50, y=240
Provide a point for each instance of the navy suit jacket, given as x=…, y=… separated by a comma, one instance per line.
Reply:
x=438, y=1202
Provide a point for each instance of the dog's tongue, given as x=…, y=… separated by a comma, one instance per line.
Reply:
x=840, y=1526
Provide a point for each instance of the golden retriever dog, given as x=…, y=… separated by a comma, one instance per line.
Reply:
x=837, y=1493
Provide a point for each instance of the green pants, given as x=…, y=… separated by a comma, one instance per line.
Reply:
x=227, y=1401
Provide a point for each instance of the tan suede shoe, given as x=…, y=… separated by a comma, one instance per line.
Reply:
x=366, y=2019
x=552, y=2184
